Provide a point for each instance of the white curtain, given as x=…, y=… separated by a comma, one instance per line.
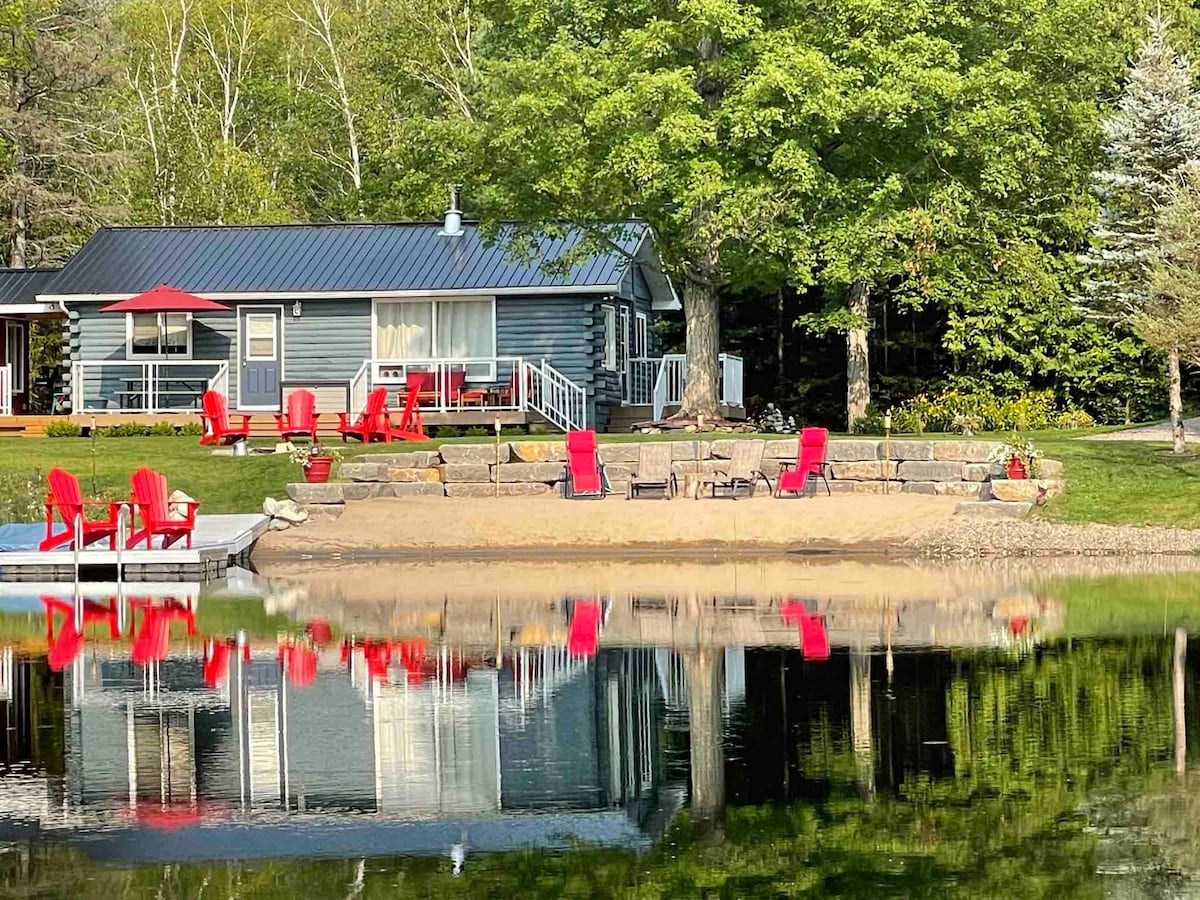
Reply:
x=465, y=329
x=404, y=330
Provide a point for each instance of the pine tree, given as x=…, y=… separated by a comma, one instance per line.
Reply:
x=1149, y=141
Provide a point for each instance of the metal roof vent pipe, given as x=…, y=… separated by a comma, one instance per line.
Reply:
x=452, y=226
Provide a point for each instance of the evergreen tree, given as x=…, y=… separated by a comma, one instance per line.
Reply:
x=1149, y=141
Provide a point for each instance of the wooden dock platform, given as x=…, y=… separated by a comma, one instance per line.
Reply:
x=220, y=541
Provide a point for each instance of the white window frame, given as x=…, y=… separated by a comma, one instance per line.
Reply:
x=478, y=376
x=276, y=329
x=610, y=336
x=18, y=363
x=641, y=335
x=129, y=354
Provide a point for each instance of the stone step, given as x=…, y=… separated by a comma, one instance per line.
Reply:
x=993, y=509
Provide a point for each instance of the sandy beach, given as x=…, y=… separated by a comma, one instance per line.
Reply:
x=419, y=524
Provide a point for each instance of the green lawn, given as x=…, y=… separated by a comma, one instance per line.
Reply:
x=1116, y=481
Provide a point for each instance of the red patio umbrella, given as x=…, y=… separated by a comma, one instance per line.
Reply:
x=165, y=298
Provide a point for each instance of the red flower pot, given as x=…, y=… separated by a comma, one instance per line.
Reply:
x=317, y=470
x=1016, y=468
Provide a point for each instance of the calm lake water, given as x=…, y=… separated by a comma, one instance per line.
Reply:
x=624, y=727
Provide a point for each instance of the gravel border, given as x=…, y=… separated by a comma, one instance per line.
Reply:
x=974, y=538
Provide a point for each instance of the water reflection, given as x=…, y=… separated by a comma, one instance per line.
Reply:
x=915, y=739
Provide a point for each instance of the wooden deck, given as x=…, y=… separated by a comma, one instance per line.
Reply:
x=219, y=541
x=262, y=424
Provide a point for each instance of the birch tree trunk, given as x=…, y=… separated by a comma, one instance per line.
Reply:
x=1175, y=394
x=858, y=371
x=700, y=311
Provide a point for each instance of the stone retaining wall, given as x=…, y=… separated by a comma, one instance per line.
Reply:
x=532, y=468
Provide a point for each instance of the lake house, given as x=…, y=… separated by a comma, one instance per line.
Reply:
x=339, y=309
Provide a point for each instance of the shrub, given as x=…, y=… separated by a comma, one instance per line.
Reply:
x=191, y=429
x=1074, y=418
x=163, y=429
x=21, y=497
x=954, y=409
x=447, y=431
x=477, y=431
x=60, y=428
x=125, y=429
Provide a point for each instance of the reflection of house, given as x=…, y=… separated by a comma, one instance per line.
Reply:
x=569, y=744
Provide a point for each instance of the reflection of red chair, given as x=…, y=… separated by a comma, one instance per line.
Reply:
x=583, y=639
x=65, y=496
x=216, y=662
x=164, y=817
x=814, y=638
x=300, y=663
x=319, y=631
x=64, y=648
x=150, y=642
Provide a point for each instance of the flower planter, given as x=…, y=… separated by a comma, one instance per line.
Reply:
x=317, y=470
x=1016, y=469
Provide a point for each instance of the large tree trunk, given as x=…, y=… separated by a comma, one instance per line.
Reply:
x=858, y=372
x=1175, y=393
x=700, y=393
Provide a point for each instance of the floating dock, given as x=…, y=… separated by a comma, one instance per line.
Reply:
x=218, y=543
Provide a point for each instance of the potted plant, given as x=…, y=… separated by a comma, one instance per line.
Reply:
x=1019, y=458
x=316, y=460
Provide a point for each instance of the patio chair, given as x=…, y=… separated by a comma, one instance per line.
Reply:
x=584, y=474
x=810, y=460
x=151, y=501
x=373, y=423
x=300, y=419
x=743, y=470
x=214, y=416
x=654, y=472
x=63, y=494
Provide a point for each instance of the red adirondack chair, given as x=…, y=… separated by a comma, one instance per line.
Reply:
x=149, y=499
x=300, y=419
x=814, y=638
x=214, y=415
x=373, y=423
x=64, y=495
x=583, y=639
x=810, y=460
x=585, y=472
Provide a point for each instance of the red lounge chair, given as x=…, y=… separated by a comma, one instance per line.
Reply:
x=814, y=638
x=64, y=495
x=583, y=639
x=810, y=460
x=585, y=472
x=214, y=415
x=149, y=499
x=301, y=417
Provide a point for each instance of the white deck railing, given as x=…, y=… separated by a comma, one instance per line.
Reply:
x=152, y=386
x=6, y=403
x=484, y=384
x=660, y=382
x=555, y=397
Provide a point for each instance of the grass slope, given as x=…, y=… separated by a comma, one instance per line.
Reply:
x=1114, y=482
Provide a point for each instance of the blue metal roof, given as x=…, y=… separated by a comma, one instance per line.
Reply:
x=23, y=285
x=333, y=257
